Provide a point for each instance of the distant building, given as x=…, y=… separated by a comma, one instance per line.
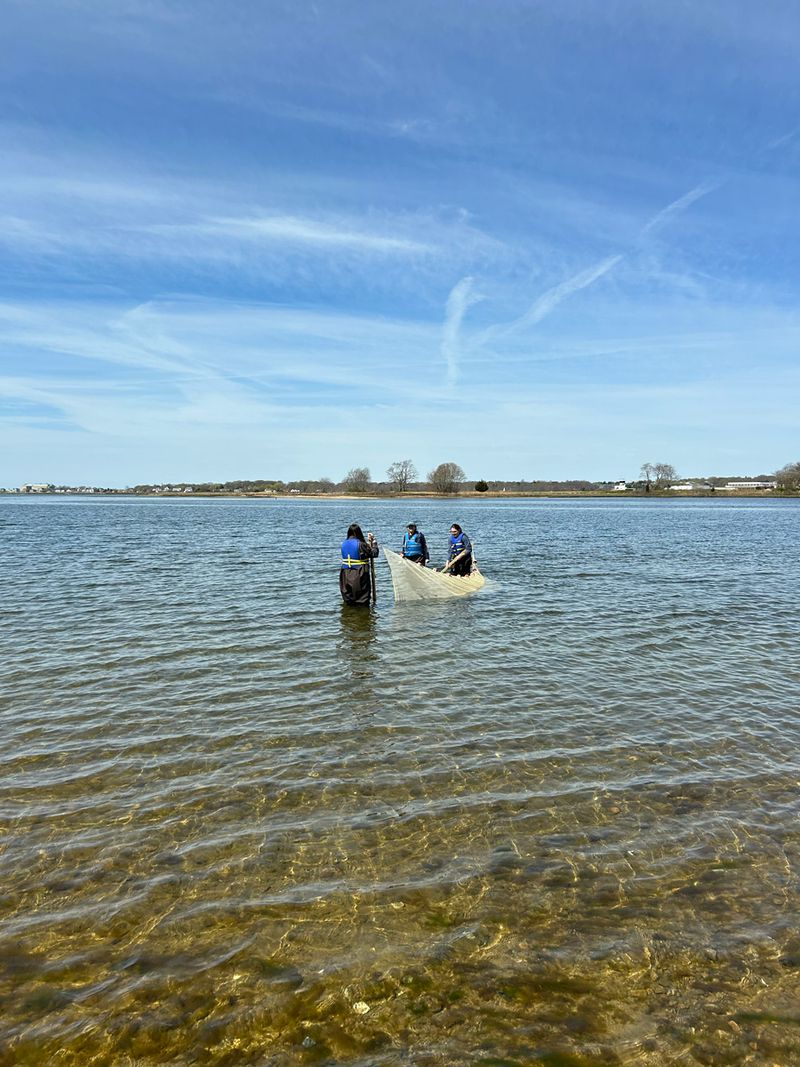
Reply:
x=749, y=485
x=684, y=487
x=620, y=487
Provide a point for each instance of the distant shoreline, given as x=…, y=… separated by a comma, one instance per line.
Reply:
x=661, y=494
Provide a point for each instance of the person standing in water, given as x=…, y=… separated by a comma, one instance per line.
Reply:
x=415, y=547
x=355, y=583
x=460, y=561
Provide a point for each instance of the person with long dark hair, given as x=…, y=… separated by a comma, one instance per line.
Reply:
x=460, y=561
x=355, y=582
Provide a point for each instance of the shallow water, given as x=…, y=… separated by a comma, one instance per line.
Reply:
x=555, y=822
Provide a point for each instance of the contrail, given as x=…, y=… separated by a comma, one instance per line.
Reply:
x=778, y=142
x=547, y=301
x=678, y=205
x=550, y=299
x=461, y=298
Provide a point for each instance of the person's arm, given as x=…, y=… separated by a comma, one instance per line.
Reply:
x=466, y=551
x=455, y=559
x=424, y=545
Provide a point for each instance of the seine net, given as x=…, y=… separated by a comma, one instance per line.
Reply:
x=412, y=582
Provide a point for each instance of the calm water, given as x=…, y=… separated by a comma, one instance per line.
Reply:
x=556, y=822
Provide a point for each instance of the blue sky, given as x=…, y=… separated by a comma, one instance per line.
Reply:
x=543, y=240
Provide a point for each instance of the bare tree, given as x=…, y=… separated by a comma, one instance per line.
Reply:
x=400, y=474
x=357, y=480
x=788, y=477
x=446, y=478
x=647, y=475
x=664, y=474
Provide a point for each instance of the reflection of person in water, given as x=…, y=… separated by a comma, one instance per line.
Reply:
x=358, y=658
x=358, y=631
x=355, y=583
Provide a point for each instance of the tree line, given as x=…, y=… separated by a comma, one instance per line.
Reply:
x=401, y=476
x=658, y=475
x=662, y=475
x=448, y=479
x=788, y=478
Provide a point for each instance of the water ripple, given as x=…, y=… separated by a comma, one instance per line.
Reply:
x=239, y=823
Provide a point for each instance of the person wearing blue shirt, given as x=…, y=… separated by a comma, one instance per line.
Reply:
x=415, y=547
x=355, y=582
x=460, y=561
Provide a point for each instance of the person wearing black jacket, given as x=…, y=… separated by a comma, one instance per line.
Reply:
x=415, y=547
x=355, y=583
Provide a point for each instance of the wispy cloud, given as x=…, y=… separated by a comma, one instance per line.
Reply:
x=79, y=213
x=208, y=376
x=677, y=206
x=89, y=335
x=171, y=348
x=779, y=142
x=549, y=300
x=552, y=297
x=461, y=298
x=193, y=270
x=422, y=128
x=291, y=229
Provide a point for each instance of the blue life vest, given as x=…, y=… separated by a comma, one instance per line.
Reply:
x=351, y=549
x=412, y=545
x=456, y=544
